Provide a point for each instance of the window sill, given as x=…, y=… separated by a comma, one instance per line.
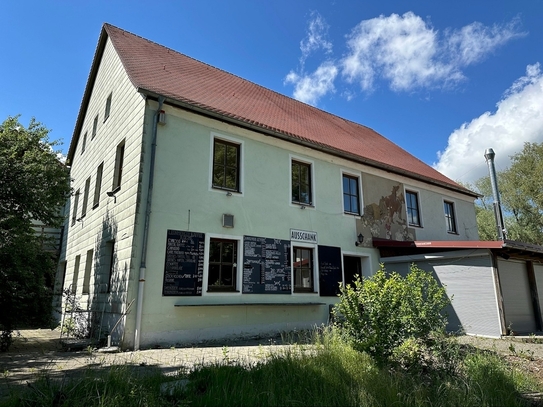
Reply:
x=96, y=205
x=452, y=233
x=304, y=205
x=227, y=190
x=351, y=213
x=412, y=225
x=116, y=189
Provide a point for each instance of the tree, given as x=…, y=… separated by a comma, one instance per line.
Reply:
x=34, y=185
x=521, y=195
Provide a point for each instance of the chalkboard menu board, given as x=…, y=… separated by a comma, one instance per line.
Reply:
x=266, y=265
x=184, y=268
x=329, y=270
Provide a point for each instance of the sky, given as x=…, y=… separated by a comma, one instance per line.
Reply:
x=443, y=80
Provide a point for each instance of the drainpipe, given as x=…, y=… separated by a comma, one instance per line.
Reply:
x=143, y=266
x=489, y=156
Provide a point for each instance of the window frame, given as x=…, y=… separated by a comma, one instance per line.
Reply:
x=311, y=185
x=107, y=111
x=119, y=166
x=450, y=217
x=357, y=178
x=227, y=142
x=94, y=127
x=112, y=258
x=98, y=186
x=74, y=209
x=85, y=198
x=418, y=208
x=299, y=289
x=88, y=269
x=75, y=276
x=236, y=266
x=84, y=143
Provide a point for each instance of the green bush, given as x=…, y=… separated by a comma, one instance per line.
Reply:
x=393, y=317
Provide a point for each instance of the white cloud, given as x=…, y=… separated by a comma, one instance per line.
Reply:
x=309, y=88
x=409, y=53
x=517, y=119
x=316, y=38
x=404, y=51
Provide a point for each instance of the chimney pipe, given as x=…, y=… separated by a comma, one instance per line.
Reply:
x=489, y=156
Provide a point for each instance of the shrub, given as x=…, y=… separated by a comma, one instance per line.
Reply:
x=390, y=316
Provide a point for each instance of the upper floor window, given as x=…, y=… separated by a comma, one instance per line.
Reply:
x=94, y=126
x=226, y=165
x=74, y=209
x=108, y=106
x=84, y=144
x=351, y=195
x=119, y=163
x=223, y=259
x=98, y=186
x=301, y=182
x=85, y=198
x=450, y=217
x=412, y=204
x=303, y=269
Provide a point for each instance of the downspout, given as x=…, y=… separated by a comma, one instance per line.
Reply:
x=143, y=266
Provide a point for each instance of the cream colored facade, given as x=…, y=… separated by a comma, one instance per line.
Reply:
x=103, y=251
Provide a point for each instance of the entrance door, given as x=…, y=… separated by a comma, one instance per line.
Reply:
x=351, y=266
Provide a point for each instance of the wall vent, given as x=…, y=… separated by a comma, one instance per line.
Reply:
x=227, y=221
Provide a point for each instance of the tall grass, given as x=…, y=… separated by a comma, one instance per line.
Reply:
x=326, y=373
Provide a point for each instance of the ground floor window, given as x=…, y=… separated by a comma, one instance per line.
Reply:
x=303, y=269
x=223, y=258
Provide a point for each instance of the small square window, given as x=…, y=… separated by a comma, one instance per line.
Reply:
x=223, y=258
x=226, y=165
x=412, y=206
x=450, y=217
x=301, y=183
x=303, y=269
x=351, y=195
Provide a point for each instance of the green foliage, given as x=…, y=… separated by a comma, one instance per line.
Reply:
x=34, y=186
x=387, y=315
x=521, y=198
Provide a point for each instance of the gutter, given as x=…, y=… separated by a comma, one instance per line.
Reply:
x=143, y=265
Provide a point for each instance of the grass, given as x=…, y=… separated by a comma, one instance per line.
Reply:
x=327, y=373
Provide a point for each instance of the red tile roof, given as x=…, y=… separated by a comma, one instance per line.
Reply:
x=158, y=70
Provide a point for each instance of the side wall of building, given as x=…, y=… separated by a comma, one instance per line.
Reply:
x=105, y=171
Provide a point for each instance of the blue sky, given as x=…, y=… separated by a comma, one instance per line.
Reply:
x=443, y=80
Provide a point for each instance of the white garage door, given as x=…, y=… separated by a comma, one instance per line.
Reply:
x=517, y=301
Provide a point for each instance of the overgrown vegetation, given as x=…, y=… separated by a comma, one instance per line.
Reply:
x=34, y=186
x=389, y=349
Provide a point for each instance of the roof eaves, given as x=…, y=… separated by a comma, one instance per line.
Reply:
x=256, y=126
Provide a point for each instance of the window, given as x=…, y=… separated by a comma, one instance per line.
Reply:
x=450, y=217
x=88, y=268
x=98, y=186
x=412, y=204
x=85, y=197
x=226, y=165
x=73, y=288
x=84, y=143
x=303, y=269
x=351, y=195
x=223, y=258
x=74, y=210
x=301, y=182
x=110, y=264
x=94, y=126
x=119, y=162
x=108, y=107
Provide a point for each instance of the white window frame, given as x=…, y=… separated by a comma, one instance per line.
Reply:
x=314, y=247
x=313, y=200
x=357, y=175
x=241, y=175
x=417, y=192
x=239, y=266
